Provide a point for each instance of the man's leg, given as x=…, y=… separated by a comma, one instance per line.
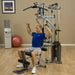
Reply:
x=34, y=54
x=20, y=55
x=19, y=52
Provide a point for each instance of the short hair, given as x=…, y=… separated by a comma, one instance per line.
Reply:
x=40, y=26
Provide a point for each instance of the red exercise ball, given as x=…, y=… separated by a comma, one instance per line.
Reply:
x=16, y=41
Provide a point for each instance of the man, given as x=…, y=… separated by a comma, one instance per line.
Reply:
x=37, y=41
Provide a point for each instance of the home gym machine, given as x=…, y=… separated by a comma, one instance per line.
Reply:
x=51, y=21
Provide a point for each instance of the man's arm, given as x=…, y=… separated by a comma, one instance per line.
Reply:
x=29, y=30
x=47, y=35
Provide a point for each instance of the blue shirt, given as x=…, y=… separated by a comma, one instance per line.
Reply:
x=37, y=39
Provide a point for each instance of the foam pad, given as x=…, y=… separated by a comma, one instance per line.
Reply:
x=44, y=49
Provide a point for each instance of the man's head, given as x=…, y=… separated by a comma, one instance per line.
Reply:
x=38, y=28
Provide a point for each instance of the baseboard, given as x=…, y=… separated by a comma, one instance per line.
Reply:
x=26, y=44
x=61, y=45
x=31, y=44
x=1, y=44
x=67, y=44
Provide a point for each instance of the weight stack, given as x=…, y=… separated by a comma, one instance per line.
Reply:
x=56, y=52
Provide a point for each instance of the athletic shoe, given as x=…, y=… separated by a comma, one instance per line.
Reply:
x=19, y=66
x=33, y=70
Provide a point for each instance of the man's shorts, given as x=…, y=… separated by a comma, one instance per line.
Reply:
x=34, y=48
